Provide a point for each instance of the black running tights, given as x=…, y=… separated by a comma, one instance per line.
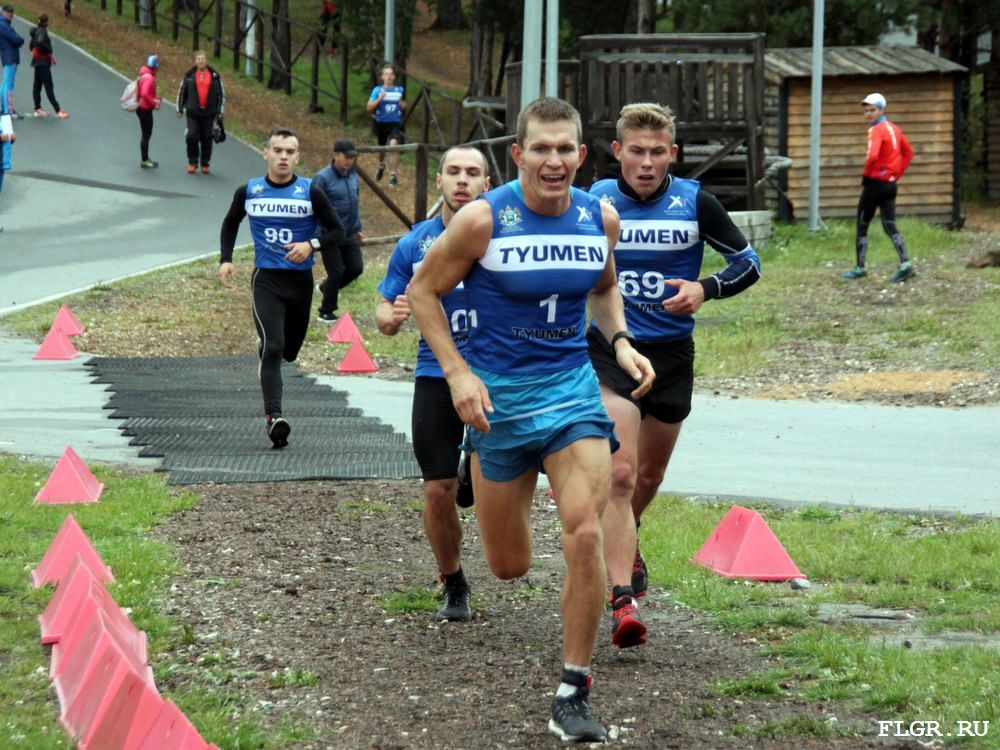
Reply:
x=281, y=303
x=881, y=195
x=146, y=131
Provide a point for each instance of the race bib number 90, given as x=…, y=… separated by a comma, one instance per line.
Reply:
x=278, y=236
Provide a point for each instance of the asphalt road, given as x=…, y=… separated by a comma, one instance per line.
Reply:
x=77, y=210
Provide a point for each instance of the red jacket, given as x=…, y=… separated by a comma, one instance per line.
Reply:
x=889, y=153
x=147, y=88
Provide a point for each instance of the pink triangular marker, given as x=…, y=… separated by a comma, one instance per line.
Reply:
x=344, y=331
x=56, y=346
x=172, y=730
x=67, y=322
x=61, y=555
x=70, y=482
x=75, y=586
x=743, y=546
x=357, y=359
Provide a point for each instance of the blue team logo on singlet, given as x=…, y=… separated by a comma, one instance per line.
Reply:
x=256, y=189
x=677, y=203
x=510, y=218
x=608, y=199
x=425, y=244
x=584, y=216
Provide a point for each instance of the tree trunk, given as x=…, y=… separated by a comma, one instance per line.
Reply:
x=475, y=45
x=647, y=17
x=281, y=47
x=449, y=15
x=508, y=47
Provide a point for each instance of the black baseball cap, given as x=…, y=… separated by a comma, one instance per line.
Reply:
x=345, y=147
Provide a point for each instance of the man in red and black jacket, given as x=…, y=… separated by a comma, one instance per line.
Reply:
x=202, y=97
x=889, y=154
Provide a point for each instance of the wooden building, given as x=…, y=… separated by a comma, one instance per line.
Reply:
x=922, y=91
x=991, y=93
x=713, y=82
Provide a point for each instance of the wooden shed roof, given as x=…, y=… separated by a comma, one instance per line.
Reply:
x=890, y=59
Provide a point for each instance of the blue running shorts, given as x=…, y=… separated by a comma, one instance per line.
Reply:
x=535, y=415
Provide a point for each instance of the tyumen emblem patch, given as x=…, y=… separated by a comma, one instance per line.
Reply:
x=257, y=189
x=608, y=198
x=510, y=218
x=425, y=245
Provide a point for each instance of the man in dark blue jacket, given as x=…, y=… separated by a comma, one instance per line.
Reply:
x=10, y=57
x=343, y=263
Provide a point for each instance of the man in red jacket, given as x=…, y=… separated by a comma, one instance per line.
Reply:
x=889, y=155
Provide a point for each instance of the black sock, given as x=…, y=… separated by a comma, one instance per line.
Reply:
x=620, y=591
x=453, y=580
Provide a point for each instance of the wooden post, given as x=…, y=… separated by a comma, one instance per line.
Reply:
x=218, y=29
x=152, y=16
x=237, y=34
x=259, y=52
x=342, y=47
x=456, y=123
x=175, y=26
x=314, y=75
x=118, y=7
x=195, y=24
x=420, y=186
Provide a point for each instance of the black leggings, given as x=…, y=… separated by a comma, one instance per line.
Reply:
x=43, y=77
x=199, y=137
x=344, y=264
x=877, y=194
x=146, y=129
x=436, y=428
x=281, y=302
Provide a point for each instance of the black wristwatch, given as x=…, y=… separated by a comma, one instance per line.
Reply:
x=627, y=335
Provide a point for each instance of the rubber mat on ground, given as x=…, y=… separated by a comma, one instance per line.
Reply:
x=202, y=416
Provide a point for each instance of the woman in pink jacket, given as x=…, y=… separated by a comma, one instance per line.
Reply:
x=148, y=101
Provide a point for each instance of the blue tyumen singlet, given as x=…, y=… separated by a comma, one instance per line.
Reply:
x=279, y=216
x=406, y=258
x=658, y=240
x=388, y=110
x=528, y=293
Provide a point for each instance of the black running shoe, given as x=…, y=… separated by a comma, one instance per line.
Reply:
x=571, y=720
x=455, y=605
x=464, y=497
x=278, y=429
x=380, y=171
x=640, y=576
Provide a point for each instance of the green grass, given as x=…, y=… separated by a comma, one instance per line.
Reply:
x=119, y=527
x=801, y=298
x=945, y=569
x=411, y=601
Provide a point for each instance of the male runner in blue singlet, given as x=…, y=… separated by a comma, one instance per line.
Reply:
x=665, y=222
x=436, y=427
x=533, y=253
x=285, y=211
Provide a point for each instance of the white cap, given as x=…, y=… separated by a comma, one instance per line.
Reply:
x=876, y=100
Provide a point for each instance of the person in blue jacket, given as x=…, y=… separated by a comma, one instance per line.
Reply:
x=10, y=57
x=343, y=263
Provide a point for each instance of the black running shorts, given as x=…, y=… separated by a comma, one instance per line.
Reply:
x=387, y=131
x=437, y=430
x=669, y=400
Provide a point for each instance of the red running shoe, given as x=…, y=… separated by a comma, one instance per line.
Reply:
x=627, y=627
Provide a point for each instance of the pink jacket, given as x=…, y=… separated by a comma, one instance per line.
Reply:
x=147, y=88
